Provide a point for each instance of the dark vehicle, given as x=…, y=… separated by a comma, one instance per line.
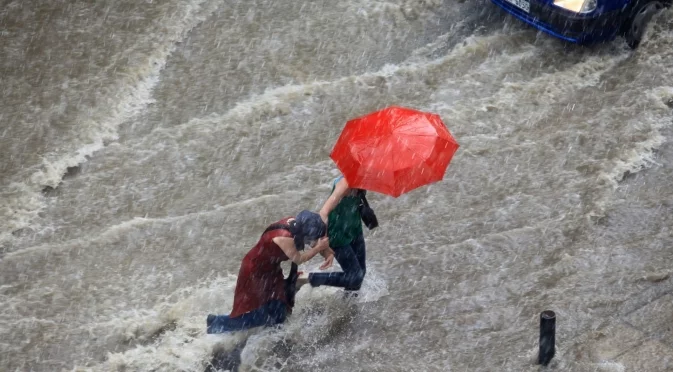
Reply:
x=587, y=21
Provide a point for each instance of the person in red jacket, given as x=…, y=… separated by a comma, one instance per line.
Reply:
x=263, y=296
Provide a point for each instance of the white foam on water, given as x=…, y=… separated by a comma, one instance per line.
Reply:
x=186, y=347
x=317, y=312
x=184, y=344
x=245, y=118
x=476, y=266
x=611, y=367
x=137, y=223
x=25, y=199
x=279, y=100
x=132, y=94
x=642, y=156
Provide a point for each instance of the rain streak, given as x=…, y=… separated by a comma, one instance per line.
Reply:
x=146, y=145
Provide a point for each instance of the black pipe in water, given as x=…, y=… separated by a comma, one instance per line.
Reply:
x=547, y=337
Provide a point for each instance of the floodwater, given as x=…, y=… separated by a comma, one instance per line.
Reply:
x=145, y=145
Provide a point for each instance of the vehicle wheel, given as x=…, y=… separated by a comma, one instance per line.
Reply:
x=639, y=20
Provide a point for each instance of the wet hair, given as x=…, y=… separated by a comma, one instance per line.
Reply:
x=297, y=235
x=307, y=225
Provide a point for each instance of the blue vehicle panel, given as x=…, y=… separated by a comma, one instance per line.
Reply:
x=606, y=20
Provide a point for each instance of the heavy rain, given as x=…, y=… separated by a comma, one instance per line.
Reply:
x=146, y=145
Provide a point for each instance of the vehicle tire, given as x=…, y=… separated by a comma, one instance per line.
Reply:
x=638, y=22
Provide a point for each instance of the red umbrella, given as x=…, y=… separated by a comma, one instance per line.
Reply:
x=394, y=150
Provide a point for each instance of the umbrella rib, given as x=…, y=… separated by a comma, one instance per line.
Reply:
x=394, y=159
x=425, y=161
x=401, y=144
x=383, y=173
x=409, y=148
x=440, y=176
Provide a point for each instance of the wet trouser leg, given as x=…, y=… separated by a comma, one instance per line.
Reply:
x=351, y=258
x=271, y=313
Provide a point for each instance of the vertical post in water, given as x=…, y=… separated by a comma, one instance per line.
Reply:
x=547, y=337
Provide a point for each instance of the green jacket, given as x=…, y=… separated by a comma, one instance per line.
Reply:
x=344, y=223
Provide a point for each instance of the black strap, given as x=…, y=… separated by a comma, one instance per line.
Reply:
x=366, y=212
x=291, y=280
x=363, y=198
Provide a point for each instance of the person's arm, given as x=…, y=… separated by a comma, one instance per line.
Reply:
x=328, y=254
x=287, y=245
x=340, y=190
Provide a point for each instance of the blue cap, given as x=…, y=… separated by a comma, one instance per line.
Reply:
x=310, y=225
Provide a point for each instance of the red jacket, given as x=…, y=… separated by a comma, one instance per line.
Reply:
x=260, y=278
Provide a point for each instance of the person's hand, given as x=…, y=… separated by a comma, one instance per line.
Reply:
x=301, y=280
x=329, y=260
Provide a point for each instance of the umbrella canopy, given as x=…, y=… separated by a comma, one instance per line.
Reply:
x=394, y=150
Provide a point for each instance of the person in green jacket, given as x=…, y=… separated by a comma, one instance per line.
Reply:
x=346, y=239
